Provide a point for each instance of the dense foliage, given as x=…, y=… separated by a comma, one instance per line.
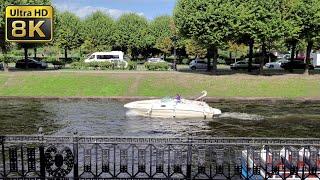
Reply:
x=215, y=22
x=198, y=28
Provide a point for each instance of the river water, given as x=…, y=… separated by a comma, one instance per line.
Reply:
x=109, y=118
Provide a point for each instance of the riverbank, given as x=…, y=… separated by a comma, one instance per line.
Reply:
x=142, y=85
x=268, y=100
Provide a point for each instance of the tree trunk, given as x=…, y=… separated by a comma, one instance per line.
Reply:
x=215, y=59
x=26, y=56
x=297, y=54
x=65, y=54
x=35, y=53
x=175, y=58
x=209, y=59
x=264, y=56
x=269, y=48
x=308, y=56
x=251, y=43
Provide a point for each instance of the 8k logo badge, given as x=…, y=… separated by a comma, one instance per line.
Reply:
x=29, y=23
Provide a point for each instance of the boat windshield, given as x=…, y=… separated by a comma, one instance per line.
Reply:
x=166, y=99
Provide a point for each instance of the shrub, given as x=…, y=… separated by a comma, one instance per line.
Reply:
x=78, y=65
x=132, y=65
x=104, y=65
x=49, y=59
x=160, y=66
x=9, y=58
x=94, y=65
x=185, y=61
x=69, y=59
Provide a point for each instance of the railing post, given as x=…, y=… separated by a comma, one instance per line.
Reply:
x=2, y=139
x=75, y=153
x=42, y=155
x=189, y=160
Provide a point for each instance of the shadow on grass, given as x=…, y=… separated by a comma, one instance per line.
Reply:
x=12, y=69
x=266, y=72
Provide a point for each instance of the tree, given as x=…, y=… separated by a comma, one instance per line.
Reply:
x=289, y=12
x=236, y=48
x=310, y=25
x=131, y=32
x=195, y=49
x=165, y=45
x=5, y=46
x=258, y=21
x=161, y=32
x=99, y=31
x=67, y=32
x=206, y=21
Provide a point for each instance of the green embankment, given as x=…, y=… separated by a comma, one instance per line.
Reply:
x=156, y=84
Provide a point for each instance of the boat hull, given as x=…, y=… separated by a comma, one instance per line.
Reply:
x=183, y=109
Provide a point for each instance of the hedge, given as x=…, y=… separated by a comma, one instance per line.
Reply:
x=160, y=66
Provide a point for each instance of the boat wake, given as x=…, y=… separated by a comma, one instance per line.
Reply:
x=242, y=116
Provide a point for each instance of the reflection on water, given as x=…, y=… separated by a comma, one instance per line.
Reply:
x=108, y=118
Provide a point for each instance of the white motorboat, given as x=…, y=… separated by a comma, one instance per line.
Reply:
x=173, y=108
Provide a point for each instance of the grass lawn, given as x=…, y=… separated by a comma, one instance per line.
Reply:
x=59, y=83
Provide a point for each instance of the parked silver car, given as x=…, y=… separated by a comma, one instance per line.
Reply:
x=155, y=60
x=276, y=65
x=198, y=64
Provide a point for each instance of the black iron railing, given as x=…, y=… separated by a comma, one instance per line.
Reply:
x=77, y=157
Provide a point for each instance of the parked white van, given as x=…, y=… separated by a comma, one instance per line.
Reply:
x=316, y=60
x=113, y=56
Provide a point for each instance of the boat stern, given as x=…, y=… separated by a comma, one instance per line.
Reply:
x=216, y=112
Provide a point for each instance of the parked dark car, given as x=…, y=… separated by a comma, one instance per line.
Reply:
x=32, y=64
x=296, y=64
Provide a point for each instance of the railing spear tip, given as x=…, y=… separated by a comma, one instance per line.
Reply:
x=40, y=131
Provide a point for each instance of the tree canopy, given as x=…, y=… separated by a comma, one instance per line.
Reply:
x=205, y=21
x=98, y=30
x=67, y=34
x=130, y=32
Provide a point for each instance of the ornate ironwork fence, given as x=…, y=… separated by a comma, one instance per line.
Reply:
x=75, y=157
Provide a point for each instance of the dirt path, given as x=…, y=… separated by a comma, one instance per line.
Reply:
x=135, y=85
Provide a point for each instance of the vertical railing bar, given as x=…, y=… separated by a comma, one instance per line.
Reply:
x=229, y=163
x=189, y=159
x=266, y=162
x=96, y=148
x=42, y=155
x=42, y=162
x=76, y=156
x=284, y=162
x=150, y=146
x=3, y=155
x=211, y=159
x=132, y=159
x=169, y=160
x=247, y=163
x=303, y=160
x=114, y=160
x=22, y=162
